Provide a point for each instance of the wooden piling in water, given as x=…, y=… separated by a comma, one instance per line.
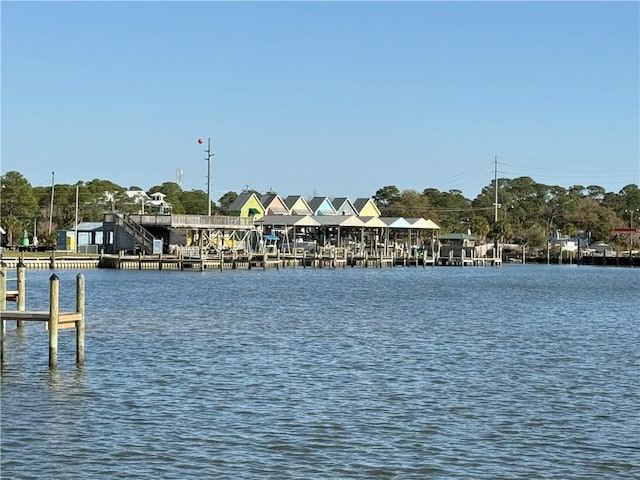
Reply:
x=54, y=319
x=54, y=314
x=80, y=302
x=3, y=306
x=22, y=288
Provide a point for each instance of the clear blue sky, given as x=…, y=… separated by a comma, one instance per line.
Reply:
x=324, y=98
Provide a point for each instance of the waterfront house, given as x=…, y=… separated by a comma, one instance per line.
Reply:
x=273, y=204
x=86, y=237
x=343, y=206
x=247, y=205
x=566, y=243
x=366, y=207
x=322, y=206
x=157, y=205
x=297, y=205
x=457, y=246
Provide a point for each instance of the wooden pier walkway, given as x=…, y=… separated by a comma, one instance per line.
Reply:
x=324, y=257
x=331, y=257
x=53, y=319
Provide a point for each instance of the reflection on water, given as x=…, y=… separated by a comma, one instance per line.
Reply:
x=511, y=372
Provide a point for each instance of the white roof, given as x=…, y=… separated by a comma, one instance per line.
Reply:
x=396, y=222
x=373, y=222
x=423, y=224
x=288, y=220
x=339, y=220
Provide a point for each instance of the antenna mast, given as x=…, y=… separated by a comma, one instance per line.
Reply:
x=495, y=181
x=208, y=159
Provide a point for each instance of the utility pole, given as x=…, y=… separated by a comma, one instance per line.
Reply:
x=75, y=234
x=495, y=182
x=208, y=159
x=496, y=248
x=53, y=179
x=631, y=212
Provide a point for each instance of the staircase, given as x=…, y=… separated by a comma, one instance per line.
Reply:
x=136, y=231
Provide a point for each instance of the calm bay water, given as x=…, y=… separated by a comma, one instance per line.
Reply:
x=515, y=372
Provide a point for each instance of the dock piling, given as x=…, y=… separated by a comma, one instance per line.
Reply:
x=3, y=306
x=22, y=289
x=54, y=313
x=80, y=323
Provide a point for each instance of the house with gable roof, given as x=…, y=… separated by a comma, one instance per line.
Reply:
x=158, y=205
x=247, y=205
x=366, y=207
x=297, y=205
x=343, y=206
x=274, y=204
x=322, y=206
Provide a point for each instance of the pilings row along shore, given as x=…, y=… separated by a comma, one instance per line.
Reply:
x=323, y=258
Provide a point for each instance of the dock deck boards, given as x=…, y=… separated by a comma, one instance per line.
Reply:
x=39, y=316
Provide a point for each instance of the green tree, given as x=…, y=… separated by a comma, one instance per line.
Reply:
x=18, y=204
x=225, y=201
x=450, y=209
x=385, y=197
x=195, y=203
x=410, y=204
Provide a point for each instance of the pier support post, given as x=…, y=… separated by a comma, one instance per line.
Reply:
x=3, y=306
x=54, y=313
x=80, y=323
x=201, y=235
x=22, y=289
x=52, y=260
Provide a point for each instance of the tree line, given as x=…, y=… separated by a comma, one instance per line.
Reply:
x=528, y=212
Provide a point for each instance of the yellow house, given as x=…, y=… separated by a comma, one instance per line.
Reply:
x=247, y=205
x=366, y=207
x=297, y=205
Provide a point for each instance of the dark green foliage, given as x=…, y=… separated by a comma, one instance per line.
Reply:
x=528, y=211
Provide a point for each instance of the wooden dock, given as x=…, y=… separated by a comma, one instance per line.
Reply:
x=323, y=257
x=54, y=319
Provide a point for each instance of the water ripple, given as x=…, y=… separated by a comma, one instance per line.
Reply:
x=358, y=373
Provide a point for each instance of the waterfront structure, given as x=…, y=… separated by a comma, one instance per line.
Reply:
x=322, y=206
x=343, y=206
x=297, y=205
x=252, y=218
x=273, y=204
x=366, y=207
x=247, y=205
